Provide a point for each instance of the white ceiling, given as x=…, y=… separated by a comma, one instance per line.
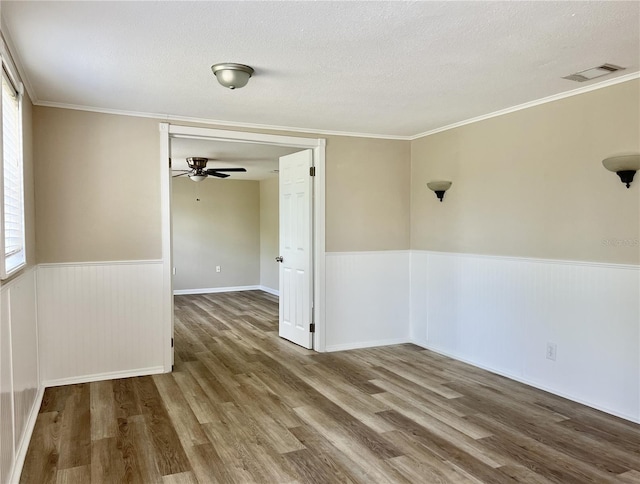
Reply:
x=382, y=68
x=260, y=160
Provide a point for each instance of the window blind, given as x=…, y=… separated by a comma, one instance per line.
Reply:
x=13, y=183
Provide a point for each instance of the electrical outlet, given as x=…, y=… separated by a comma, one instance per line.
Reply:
x=174, y=271
x=217, y=268
x=552, y=351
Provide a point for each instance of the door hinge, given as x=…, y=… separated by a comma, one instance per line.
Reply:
x=312, y=327
x=169, y=162
x=312, y=171
x=172, y=342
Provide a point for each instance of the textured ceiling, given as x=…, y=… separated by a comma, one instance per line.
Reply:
x=385, y=68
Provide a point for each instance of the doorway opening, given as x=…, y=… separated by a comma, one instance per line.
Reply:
x=173, y=137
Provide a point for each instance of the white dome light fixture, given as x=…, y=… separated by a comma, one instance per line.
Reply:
x=233, y=76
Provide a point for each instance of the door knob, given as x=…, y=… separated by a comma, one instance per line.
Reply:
x=279, y=258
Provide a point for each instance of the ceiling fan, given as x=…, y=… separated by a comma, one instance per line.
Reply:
x=198, y=170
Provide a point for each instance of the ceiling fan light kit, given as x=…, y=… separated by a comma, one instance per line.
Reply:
x=198, y=170
x=231, y=75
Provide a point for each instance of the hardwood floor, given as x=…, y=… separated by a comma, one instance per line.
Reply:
x=245, y=406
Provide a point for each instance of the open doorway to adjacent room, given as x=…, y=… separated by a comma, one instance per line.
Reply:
x=228, y=231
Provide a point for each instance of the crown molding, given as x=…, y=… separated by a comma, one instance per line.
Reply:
x=530, y=104
x=218, y=122
x=232, y=124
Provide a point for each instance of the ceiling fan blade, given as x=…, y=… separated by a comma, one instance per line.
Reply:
x=181, y=174
x=219, y=175
x=242, y=170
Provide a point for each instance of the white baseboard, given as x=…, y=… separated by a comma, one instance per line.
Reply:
x=212, y=290
x=366, y=344
x=104, y=376
x=23, y=446
x=268, y=290
x=526, y=381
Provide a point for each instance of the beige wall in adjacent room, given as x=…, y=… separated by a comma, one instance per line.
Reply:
x=97, y=184
x=531, y=183
x=222, y=229
x=269, y=233
x=98, y=188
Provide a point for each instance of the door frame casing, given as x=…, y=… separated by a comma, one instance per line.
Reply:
x=318, y=145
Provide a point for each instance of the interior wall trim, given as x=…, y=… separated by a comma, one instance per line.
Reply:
x=213, y=290
x=23, y=446
x=531, y=104
x=268, y=290
x=100, y=263
x=311, y=131
x=367, y=344
x=218, y=123
x=609, y=265
x=114, y=375
x=367, y=252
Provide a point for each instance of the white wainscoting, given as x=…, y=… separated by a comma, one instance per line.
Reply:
x=367, y=299
x=21, y=393
x=100, y=320
x=499, y=313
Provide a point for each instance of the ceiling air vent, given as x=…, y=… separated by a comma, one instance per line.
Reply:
x=593, y=73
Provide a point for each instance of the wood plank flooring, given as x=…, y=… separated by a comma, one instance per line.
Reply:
x=245, y=406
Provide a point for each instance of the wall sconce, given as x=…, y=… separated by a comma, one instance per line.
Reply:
x=439, y=187
x=625, y=166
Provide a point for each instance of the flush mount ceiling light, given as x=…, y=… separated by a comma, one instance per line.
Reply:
x=233, y=76
x=439, y=187
x=625, y=166
x=593, y=73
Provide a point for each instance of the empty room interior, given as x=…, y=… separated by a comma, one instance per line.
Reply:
x=277, y=242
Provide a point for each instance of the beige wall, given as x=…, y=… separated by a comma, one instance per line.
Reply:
x=222, y=229
x=269, y=233
x=367, y=195
x=531, y=183
x=97, y=185
x=525, y=184
x=98, y=188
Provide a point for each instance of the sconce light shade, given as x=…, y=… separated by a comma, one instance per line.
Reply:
x=233, y=76
x=625, y=166
x=439, y=187
x=197, y=177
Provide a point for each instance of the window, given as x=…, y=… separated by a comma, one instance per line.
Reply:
x=12, y=187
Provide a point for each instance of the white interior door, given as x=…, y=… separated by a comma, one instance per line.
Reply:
x=295, y=248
